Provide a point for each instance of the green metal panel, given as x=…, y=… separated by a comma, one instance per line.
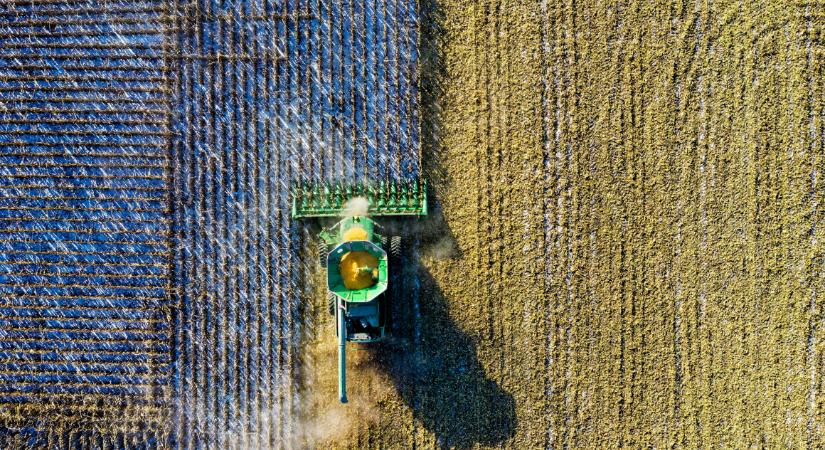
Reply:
x=336, y=284
x=385, y=199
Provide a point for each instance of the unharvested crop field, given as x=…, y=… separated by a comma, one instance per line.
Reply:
x=628, y=244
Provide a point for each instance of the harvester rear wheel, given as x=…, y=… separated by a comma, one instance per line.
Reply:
x=323, y=252
x=395, y=247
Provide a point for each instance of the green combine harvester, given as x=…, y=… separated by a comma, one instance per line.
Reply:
x=354, y=253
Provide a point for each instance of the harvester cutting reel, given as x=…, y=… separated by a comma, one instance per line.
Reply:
x=385, y=199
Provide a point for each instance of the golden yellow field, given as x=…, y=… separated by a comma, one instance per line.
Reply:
x=628, y=241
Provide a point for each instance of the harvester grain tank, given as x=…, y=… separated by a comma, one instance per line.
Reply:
x=354, y=253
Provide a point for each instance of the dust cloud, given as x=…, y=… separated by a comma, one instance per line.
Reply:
x=357, y=206
x=323, y=419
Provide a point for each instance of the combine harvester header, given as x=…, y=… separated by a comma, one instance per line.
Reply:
x=385, y=199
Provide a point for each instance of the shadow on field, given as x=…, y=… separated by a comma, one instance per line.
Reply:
x=434, y=368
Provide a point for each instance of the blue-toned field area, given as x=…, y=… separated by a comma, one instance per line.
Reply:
x=151, y=279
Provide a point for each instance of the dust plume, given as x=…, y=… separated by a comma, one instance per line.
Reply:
x=356, y=206
x=442, y=249
x=322, y=418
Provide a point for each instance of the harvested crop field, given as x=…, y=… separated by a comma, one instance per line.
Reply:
x=628, y=244
x=625, y=246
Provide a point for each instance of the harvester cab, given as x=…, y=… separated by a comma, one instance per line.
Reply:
x=356, y=255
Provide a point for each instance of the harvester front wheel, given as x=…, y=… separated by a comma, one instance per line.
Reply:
x=323, y=252
x=331, y=303
x=395, y=247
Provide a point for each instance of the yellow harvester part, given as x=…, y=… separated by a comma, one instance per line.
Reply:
x=356, y=234
x=358, y=269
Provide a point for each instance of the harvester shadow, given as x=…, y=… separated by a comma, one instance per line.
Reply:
x=433, y=366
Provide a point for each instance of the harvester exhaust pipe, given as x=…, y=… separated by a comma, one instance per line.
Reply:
x=342, y=352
